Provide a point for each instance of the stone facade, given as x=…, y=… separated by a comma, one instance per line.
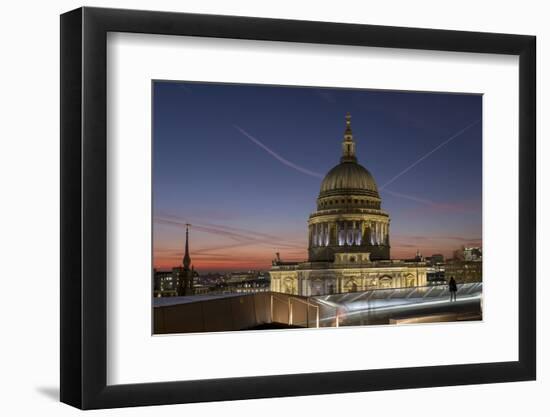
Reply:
x=350, y=272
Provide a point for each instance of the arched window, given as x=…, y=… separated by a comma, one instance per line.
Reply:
x=385, y=282
x=410, y=281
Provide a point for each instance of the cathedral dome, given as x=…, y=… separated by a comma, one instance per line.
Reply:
x=349, y=218
x=348, y=177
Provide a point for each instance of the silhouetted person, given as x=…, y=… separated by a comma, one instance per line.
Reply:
x=452, y=288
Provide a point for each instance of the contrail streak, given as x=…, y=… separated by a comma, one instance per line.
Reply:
x=460, y=132
x=456, y=207
x=412, y=198
x=242, y=238
x=226, y=229
x=277, y=156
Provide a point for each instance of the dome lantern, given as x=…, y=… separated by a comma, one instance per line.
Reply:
x=348, y=145
x=348, y=176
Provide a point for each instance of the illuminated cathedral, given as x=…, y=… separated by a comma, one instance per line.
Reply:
x=349, y=238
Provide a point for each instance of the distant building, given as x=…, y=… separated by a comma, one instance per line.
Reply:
x=181, y=280
x=464, y=271
x=165, y=284
x=245, y=282
x=210, y=279
x=435, y=259
x=436, y=269
x=436, y=274
x=472, y=254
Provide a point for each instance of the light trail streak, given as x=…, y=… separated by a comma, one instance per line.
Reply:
x=408, y=306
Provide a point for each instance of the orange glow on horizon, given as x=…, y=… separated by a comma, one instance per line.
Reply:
x=260, y=259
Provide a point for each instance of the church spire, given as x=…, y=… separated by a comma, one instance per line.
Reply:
x=348, y=145
x=186, y=257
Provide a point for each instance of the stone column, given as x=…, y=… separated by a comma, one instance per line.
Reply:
x=316, y=235
x=372, y=233
x=369, y=232
x=345, y=233
x=359, y=234
x=319, y=234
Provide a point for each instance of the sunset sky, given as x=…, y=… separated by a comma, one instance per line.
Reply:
x=243, y=164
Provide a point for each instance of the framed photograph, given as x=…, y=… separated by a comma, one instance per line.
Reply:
x=258, y=208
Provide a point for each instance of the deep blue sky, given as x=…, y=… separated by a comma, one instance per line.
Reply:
x=245, y=204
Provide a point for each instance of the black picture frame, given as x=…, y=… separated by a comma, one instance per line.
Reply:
x=84, y=207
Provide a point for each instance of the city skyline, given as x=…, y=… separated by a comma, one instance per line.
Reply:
x=243, y=164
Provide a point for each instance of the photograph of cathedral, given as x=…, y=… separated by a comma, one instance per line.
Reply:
x=280, y=207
